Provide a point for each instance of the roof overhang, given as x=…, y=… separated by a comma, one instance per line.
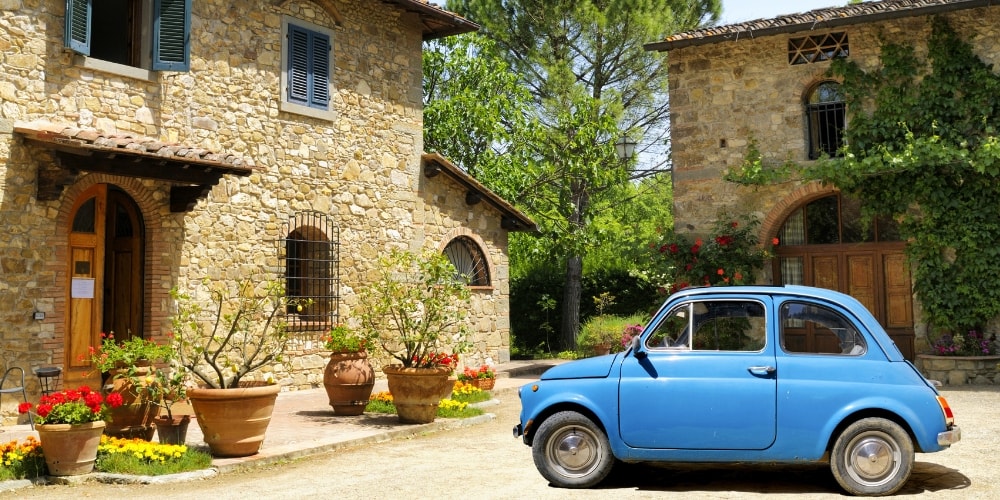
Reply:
x=193, y=170
x=817, y=19
x=512, y=219
x=437, y=22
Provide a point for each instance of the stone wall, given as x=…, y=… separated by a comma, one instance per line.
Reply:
x=363, y=167
x=960, y=370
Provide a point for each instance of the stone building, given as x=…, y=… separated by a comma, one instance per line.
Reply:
x=765, y=81
x=149, y=144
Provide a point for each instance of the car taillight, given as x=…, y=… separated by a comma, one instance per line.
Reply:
x=949, y=417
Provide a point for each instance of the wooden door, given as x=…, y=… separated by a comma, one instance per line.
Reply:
x=84, y=290
x=105, y=276
x=123, y=267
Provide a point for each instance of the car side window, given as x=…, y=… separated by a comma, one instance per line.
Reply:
x=729, y=325
x=816, y=329
x=672, y=332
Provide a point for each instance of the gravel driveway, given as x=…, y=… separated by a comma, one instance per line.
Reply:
x=486, y=462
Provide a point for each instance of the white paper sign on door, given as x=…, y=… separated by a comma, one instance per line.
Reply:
x=82, y=288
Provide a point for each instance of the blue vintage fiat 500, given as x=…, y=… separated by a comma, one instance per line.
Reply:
x=749, y=374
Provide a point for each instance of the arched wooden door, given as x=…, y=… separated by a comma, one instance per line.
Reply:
x=824, y=244
x=106, y=246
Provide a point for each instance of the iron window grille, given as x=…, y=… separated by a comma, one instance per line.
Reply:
x=310, y=255
x=826, y=114
x=469, y=261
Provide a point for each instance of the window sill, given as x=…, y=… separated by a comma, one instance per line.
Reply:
x=299, y=109
x=114, y=68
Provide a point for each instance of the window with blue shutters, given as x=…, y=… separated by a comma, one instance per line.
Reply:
x=148, y=34
x=307, y=62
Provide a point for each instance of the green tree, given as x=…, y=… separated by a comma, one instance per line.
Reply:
x=591, y=83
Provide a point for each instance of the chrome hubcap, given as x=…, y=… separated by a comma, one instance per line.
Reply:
x=574, y=451
x=873, y=460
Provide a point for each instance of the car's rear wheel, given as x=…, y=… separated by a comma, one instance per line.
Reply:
x=571, y=451
x=872, y=457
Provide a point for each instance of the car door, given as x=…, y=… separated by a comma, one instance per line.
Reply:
x=708, y=381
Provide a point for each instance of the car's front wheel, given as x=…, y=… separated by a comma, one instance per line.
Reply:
x=872, y=457
x=571, y=451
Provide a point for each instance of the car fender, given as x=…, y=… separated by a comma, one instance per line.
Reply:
x=923, y=425
x=595, y=397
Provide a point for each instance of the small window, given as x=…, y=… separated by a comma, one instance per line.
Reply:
x=730, y=325
x=826, y=116
x=469, y=261
x=825, y=331
x=128, y=30
x=311, y=273
x=817, y=48
x=307, y=69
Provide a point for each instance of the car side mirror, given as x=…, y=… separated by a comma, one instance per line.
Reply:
x=636, y=348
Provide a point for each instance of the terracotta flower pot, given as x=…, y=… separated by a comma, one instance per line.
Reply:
x=485, y=384
x=172, y=430
x=234, y=421
x=349, y=380
x=134, y=418
x=417, y=392
x=70, y=449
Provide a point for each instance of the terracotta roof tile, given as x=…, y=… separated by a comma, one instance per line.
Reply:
x=126, y=141
x=816, y=19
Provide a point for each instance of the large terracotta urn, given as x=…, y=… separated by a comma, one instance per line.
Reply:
x=70, y=449
x=233, y=421
x=349, y=380
x=417, y=392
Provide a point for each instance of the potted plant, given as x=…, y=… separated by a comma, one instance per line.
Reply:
x=125, y=363
x=221, y=347
x=69, y=425
x=417, y=309
x=483, y=377
x=165, y=389
x=349, y=377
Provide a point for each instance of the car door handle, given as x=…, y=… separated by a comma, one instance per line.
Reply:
x=762, y=370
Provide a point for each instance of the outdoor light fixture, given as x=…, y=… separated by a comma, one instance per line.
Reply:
x=625, y=147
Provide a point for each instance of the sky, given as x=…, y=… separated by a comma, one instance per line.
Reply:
x=737, y=11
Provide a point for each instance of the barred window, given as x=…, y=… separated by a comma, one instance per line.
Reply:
x=312, y=272
x=817, y=48
x=826, y=116
x=469, y=260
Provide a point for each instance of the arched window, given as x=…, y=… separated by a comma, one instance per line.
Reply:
x=312, y=273
x=469, y=260
x=826, y=116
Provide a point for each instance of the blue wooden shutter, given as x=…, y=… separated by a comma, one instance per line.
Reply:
x=172, y=35
x=308, y=67
x=77, y=26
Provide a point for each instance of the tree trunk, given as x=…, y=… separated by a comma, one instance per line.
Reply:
x=571, y=301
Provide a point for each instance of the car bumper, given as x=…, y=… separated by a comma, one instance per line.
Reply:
x=950, y=437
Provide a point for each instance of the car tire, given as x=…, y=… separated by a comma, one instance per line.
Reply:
x=571, y=451
x=872, y=457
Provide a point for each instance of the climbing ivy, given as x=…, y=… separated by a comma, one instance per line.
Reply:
x=922, y=146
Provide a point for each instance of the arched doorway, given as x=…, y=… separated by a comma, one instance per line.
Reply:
x=106, y=247
x=825, y=243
